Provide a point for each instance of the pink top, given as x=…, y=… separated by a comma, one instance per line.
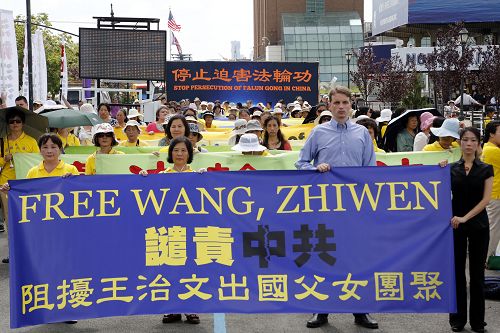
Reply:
x=153, y=127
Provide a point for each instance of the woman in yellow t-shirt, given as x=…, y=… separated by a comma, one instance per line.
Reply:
x=67, y=138
x=121, y=122
x=132, y=130
x=16, y=141
x=50, y=146
x=104, y=138
x=180, y=155
x=447, y=134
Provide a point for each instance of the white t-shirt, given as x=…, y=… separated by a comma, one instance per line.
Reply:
x=421, y=139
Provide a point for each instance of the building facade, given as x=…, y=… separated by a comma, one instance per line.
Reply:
x=310, y=30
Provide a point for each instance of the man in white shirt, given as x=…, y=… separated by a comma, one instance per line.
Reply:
x=468, y=101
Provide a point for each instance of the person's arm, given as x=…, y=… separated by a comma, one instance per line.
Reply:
x=420, y=142
x=3, y=97
x=488, y=186
x=307, y=154
x=474, y=101
x=65, y=101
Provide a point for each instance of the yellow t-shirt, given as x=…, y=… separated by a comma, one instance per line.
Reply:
x=23, y=144
x=171, y=170
x=487, y=120
x=491, y=155
x=376, y=148
x=383, y=129
x=71, y=140
x=264, y=153
x=126, y=143
x=119, y=134
x=164, y=149
x=61, y=169
x=202, y=124
x=90, y=164
x=437, y=147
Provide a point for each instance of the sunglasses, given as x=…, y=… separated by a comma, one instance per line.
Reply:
x=15, y=121
x=102, y=135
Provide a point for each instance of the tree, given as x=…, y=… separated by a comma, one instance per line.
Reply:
x=394, y=80
x=414, y=98
x=487, y=75
x=447, y=64
x=363, y=77
x=52, y=44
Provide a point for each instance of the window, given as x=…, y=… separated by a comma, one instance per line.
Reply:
x=335, y=37
x=323, y=30
x=334, y=30
x=311, y=30
x=345, y=29
x=312, y=45
x=313, y=37
x=300, y=30
x=335, y=45
x=313, y=54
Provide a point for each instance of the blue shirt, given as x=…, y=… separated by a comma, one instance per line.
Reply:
x=339, y=145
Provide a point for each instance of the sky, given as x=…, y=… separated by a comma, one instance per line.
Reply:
x=207, y=27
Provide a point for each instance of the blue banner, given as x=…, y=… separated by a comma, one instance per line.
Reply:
x=390, y=14
x=239, y=81
x=451, y=11
x=352, y=240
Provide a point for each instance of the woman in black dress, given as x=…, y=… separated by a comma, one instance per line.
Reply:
x=471, y=185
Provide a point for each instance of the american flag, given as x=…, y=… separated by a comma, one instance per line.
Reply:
x=171, y=23
x=176, y=43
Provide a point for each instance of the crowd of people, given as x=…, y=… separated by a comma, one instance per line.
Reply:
x=341, y=137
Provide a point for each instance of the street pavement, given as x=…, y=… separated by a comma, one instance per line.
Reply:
x=232, y=323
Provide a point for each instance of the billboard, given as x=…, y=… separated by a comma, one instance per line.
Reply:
x=389, y=14
x=239, y=81
x=418, y=55
x=122, y=54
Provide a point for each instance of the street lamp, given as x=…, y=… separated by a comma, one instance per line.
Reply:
x=464, y=36
x=348, y=56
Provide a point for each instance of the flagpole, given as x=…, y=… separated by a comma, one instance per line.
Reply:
x=61, y=72
x=30, y=54
x=169, y=37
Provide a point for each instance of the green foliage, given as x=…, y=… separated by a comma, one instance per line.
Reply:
x=414, y=99
x=52, y=44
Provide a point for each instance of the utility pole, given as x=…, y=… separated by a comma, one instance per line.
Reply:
x=30, y=54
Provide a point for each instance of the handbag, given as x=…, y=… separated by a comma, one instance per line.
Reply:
x=493, y=262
